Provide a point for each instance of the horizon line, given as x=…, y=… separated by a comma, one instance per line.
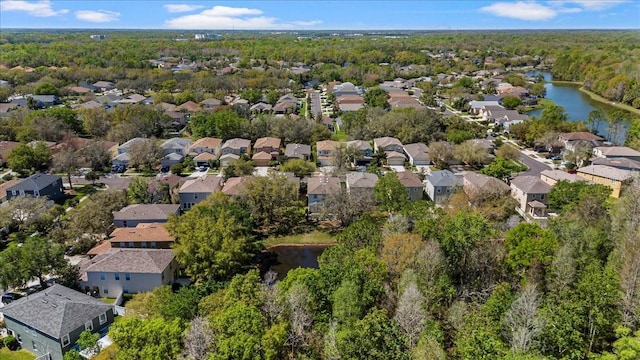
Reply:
x=316, y=30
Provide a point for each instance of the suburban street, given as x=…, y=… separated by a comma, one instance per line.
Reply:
x=535, y=167
x=119, y=183
x=316, y=105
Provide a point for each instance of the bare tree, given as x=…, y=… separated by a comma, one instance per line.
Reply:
x=410, y=313
x=270, y=306
x=300, y=316
x=67, y=161
x=441, y=152
x=198, y=342
x=630, y=281
x=331, y=351
x=563, y=269
x=522, y=320
x=345, y=206
x=145, y=153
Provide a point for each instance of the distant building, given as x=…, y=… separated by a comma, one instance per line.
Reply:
x=37, y=185
x=207, y=36
x=98, y=37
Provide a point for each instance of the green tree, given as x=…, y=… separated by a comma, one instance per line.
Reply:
x=213, y=239
x=72, y=355
x=274, y=204
x=565, y=196
x=500, y=168
x=37, y=258
x=298, y=167
x=89, y=341
x=390, y=194
x=138, y=191
x=45, y=88
x=373, y=337
x=240, y=167
x=25, y=159
x=508, y=152
x=511, y=102
x=376, y=97
x=153, y=338
x=253, y=95
x=529, y=244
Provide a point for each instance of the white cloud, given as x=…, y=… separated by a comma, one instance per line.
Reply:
x=565, y=10
x=37, y=8
x=593, y=5
x=97, y=16
x=224, y=17
x=178, y=8
x=521, y=10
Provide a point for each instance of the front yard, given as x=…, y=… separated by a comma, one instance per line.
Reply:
x=314, y=237
x=6, y=354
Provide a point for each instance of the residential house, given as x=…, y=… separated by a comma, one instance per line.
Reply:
x=5, y=149
x=418, y=154
x=395, y=158
x=365, y=152
x=127, y=145
x=121, y=160
x=349, y=103
x=440, y=184
x=620, y=163
x=5, y=108
x=210, y=104
x=569, y=140
x=179, y=119
x=143, y=236
x=346, y=89
x=552, y=177
x=615, y=152
x=204, y=159
x=104, y=86
x=477, y=185
x=129, y=271
x=361, y=182
x=329, y=123
x=235, y=185
x=404, y=101
x=388, y=144
x=478, y=106
x=189, y=107
x=135, y=214
x=195, y=190
x=531, y=194
x=51, y=321
x=269, y=145
x=169, y=160
x=286, y=104
x=614, y=178
x=413, y=184
x=132, y=99
x=318, y=188
x=178, y=146
x=261, y=108
x=298, y=151
x=236, y=146
x=261, y=159
x=206, y=145
x=324, y=150
x=227, y=159
x=45, y=101
x=4, y=186
x=37, y=185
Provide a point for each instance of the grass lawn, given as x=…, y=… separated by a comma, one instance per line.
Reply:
x=341, y=136
x=314, y=237
x=7, y=354
x=107, y=353
x=108, y=301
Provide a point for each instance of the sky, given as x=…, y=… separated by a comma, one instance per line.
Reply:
x=321, y=15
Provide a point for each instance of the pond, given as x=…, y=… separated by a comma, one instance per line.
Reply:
x=283, y=258
x=576, y=104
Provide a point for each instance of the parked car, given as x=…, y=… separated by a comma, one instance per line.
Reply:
x=10, y=297
x=202, y=168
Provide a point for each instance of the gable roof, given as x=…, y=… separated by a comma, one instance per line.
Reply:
x=442, y=178
x=142, y=232
x=322, y=185
x=203, y=184
x=359, y=144
x=261, y=156
x=394, y=154
x=207, y=142
x=621, y=151
x=560, y=175
x=56, y=311
x=297, y=150
x=237, y=143
x=361, y=180
x=267, y=142
x=386, y=141
x=481, y=182
x=327, y=145
x=205, y=156
x=530, y=184
x=146, y=261
x=176, y=143
x=417, y=150
x=234, y=185
x=606, y=172
x=579, y=135
x=5, y=185
x=409, y=179
x=35, y=182
x=146, y=212
x=189, y=106
x=618, y=162
x=125, y=146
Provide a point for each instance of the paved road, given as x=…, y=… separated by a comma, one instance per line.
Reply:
x=535, y=167
x=316, y=105
x=119, y=183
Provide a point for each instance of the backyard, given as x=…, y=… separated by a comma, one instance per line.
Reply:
x=6, y=354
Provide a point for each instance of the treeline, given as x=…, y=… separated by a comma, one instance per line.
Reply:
x=604, y=61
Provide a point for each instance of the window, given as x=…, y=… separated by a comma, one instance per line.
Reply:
x=65, y=340
x=124, y=223
x=102, y=318
x=130, y=244
x=195, y=196
x=14, y=193
x=438, y=190
x=117, y=276
x=125, y=289
x=36, y=193
x=88, y=325
x=105, y=290
x=143, y=244
x=127, y=276
x=34, y=345
x=153, y=244
x=102, y=276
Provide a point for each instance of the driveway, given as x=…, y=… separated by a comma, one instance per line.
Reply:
x=535, y=167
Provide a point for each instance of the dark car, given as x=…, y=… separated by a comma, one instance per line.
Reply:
x=9, y=297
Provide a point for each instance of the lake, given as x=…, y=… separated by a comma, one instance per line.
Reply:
x=576, y=104
x=287, y=257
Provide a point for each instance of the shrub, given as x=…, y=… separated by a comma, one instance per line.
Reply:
x=11, y=343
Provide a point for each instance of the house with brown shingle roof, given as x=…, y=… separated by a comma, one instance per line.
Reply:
x=531, y=194
x=234, y=186
x=132, y=271
x=361, y=182
x=207, y=144
x=612, y=152
x=324, y=149
x=475, y=184
x=388, y=144
x=317, y=190
x=189, y=106
x=298, y=151
x=269, y=145
x=5, y=149
x=143, y=236
x=195, y=190
x=571, y=139
x=614, y=178
x=236, y=146
x=132, y=215
x=413, y=184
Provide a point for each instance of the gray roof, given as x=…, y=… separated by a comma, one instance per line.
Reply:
x=236, y=143
x=530, y=185
x=55, y=311
x=621, y=151
x=297, y=150
x=146, y=261
x=386, y=141
x=442, y=178
x=359, y=144
x=417, y=150
x=44, y=98
x=176, y=143
x=621, y=163
x=560, y=175
x=125, y=146
x=35, y=182
x=606, y=172
x=202, y=184
x=322, y=185
x=361, y=180
x=146, y=212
